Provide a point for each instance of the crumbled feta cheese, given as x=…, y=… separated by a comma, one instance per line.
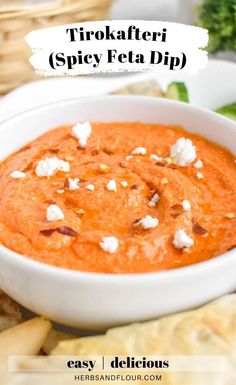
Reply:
x=60, y=191
x=230, y=216
x=73, y=184
x=168, y=160
x=54, y=213
x=128, y=157
x=156, y=158
x=111, y=185
x=80, y=211
x=124, y=183
x=49, y=166
x=163, y=181
x=90, y=187
x=69, y=158
x=17, y=174
x=182, y=240
x=63, y=166
x=183, y=152
x=82, y=131
x=186, y=205
x=148, y=222
x=151, y=204
x=200, y=175
x=139, y=151
x=198, y=164
x=103, y=167
x=109, y=244
x=153, y=201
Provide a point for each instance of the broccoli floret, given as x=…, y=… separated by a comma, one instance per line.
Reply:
x=219, y=17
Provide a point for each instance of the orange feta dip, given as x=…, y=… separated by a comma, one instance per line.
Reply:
x=119, y=198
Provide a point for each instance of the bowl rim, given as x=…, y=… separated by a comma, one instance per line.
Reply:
x=128, y=278
x=156, y=99
x=117, y=278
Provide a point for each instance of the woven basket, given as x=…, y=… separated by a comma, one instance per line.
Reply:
x=17, y=19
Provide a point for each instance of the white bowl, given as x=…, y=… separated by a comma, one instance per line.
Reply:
x=97, y=301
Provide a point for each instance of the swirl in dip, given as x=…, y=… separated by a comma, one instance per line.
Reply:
x=118, y=198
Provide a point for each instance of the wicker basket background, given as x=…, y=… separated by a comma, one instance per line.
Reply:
x=17, y=19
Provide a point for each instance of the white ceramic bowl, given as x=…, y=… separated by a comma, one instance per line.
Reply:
x=96, y=301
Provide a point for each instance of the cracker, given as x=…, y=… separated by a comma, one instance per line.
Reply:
x=53, y=339
x=147, y=88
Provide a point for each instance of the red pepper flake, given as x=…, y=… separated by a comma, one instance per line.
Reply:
x=161, y=164
x=67, y=231
x=108, y=152
x=89, y=162
x=173, y=166
x=136, y=226
x=176, y=210
x=54, y=150
x=47, y=232
x=123, y=164
x=28, y=167
x=66, y=183
x=136, y=222
x=94, y=152
x=81, y=148
x=198, y=229
x=51, y=202
x=134, y=187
